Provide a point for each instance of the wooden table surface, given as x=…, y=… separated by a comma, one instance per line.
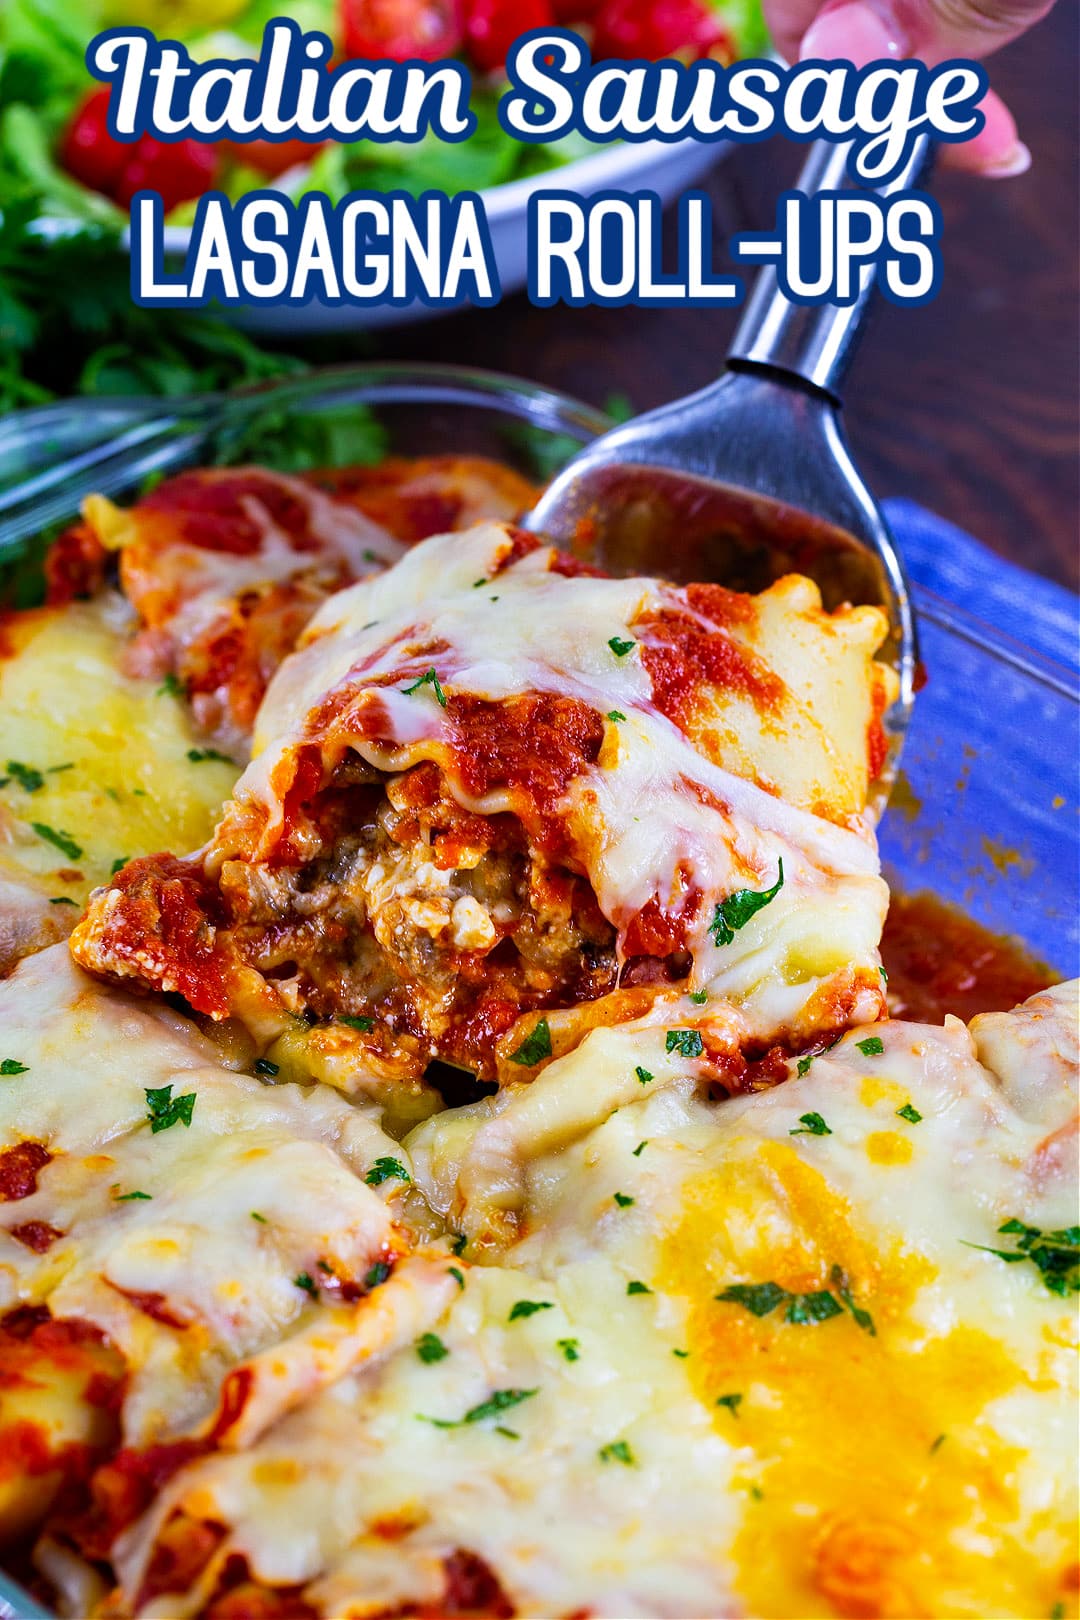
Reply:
x=968, y=404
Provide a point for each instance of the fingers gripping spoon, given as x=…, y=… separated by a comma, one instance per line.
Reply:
x=752, y=478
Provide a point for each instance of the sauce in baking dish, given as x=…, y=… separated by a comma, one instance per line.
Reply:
x=940, y=961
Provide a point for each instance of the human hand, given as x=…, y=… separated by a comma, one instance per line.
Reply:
x=864, y=31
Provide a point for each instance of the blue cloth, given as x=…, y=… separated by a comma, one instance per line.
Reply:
x=1035, y=611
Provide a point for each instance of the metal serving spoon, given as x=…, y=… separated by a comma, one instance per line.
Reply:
x=752, y=477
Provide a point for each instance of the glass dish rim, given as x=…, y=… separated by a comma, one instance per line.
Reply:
x=409, y=382
x=395, y=382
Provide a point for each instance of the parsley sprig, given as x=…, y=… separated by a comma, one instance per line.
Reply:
x=736, y=911
x=1054, y=1254
x=501, y=1400
x=165, y=1110
x=386, y=1169
x=59, y=839
x=761, y=1299
x=429, y=678
x=535, y=1047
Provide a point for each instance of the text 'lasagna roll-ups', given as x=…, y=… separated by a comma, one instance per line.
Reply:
x=498, y=799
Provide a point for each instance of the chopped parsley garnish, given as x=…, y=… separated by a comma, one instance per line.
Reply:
x=457, y=1276
x=60, y=840
x=61, y=900
x=535, y=1047
x=638, y=1288
x=165, y=1110
x=884, y=975
x=803, y=1066
x=863, y=1318
x=569, y=1348
x=11, y=1066
x=761, y=1299
x=618, y=1451
x=817, y=1307
x=938, y=1443
x=257, y=1217
x=118, y=865
x=638, y=1149
x=909, y=1113
x=30, y=780
x=202, y=756
x=622, y=1200
x=615, y=715
x=500, y=1428
x=1055, y=1255
x=873, y=1046
x=620, y=647
x=127, y=1198
x=736, y=911
x=428, y=679
x=731, y=1402
x=430, y=1348
x=458, y=1242
x=370, y=556
x=682, y=1354
x=699, y=997
x=687, y=1042
x=386, y=1169
x=811, y=1125
x=476, y=584
x=497, y=1403
x=364, y=1025
x=170, y=687
x=307, y=1283
x=377, y=1275
x=265, y=1068
x=643, y=1075
x=528, y=1307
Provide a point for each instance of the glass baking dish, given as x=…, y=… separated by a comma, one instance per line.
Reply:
x=985, y=813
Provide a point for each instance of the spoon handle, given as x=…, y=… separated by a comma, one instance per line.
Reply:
x=815, y=343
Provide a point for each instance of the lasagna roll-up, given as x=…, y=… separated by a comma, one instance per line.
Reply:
x=225, y=566
x=498, y=798
x=185, y=1251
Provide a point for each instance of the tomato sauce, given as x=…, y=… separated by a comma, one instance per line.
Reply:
x=19, y=1167
x=211, y=510
x=939, y=961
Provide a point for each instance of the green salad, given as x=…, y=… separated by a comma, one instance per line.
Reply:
x=54, y=143
x=66, y=319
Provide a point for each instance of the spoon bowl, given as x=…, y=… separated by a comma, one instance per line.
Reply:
x=751, y=478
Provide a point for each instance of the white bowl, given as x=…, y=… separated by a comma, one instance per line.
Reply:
x=663, y=167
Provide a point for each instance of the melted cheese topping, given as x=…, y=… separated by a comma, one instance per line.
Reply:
x=112, y=754
x=198, y=1274
x=663, y=1451
x=664, y=812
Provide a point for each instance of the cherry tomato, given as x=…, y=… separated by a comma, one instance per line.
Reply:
x=88, y=151
x=401, y=29
x=575, y=11
x=652, y=29
x=178, y=171
x=271, y=157
x=491, y=27
x=119, y=169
